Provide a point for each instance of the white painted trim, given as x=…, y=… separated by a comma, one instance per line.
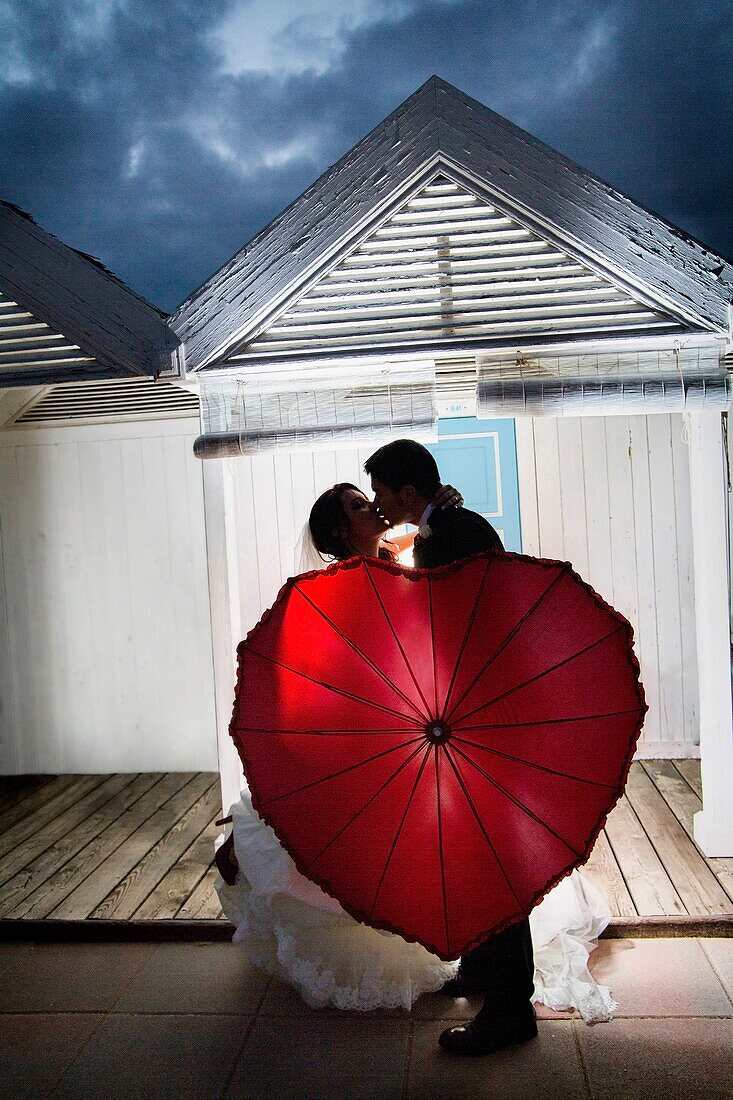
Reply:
x=714, y=837
x=714, y=823
x=226, y=616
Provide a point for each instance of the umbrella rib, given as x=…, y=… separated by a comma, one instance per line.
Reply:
x=550, y=721
x=432, y=646
x=520, y=805
x=343, y=771
x=357, y=650
x=399, y=830
x=545, y=672
x=366, y=805
x=510, y=637
x=441, y=854
x=397, y=640
x=331, y=687
x=321, y=733
x=531, y=764
x=479, y=822
x=466, y=636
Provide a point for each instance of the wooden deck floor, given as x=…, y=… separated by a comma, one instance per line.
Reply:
x=90, y=847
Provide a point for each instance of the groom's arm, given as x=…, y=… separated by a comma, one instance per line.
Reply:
x=460, y=535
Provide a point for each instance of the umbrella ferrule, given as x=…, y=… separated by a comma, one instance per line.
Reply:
x=437, y=733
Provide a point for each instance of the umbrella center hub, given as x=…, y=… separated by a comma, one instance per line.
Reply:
x=437, y=733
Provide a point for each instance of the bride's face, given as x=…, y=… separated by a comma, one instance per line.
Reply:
x=365, y=525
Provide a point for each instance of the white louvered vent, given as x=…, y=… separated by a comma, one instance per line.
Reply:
x=448, y=266
x=29, y=344
x=115, y=400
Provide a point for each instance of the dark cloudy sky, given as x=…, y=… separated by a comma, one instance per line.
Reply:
x=160, y=135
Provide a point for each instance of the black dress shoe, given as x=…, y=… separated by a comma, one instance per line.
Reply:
x=226, y=861
x=485, y=1038
x=460, y=987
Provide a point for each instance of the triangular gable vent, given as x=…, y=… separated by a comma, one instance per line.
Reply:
x=449, y=267
x=113, y=400
x=27, y=344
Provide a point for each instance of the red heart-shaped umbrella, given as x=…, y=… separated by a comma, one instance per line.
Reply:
x=437, y=748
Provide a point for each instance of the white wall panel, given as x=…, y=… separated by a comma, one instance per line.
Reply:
x=612, y=496
x=105, y=636
x=275, y=493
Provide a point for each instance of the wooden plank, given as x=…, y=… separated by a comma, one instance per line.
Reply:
x=676, y=792
x=268, y=551
x=61, y=674
x=74, y=872
x=302, y=478
x=690, y=771
x=99, y=503
x=622, y=928
x=171, y=893
x=189, y=710
x=685, y=803
x=683, y=528
x=130, y=893
x=21, y=891
x=597, y=504
x=647, y=881
x=90, y=695
x=82, y=901
x=208, y=930
x=48, y=816
x=203, y=904
x=287, y=534
x=574, y=513
x=621, y=510
x=697, y=886
x=33, y=791
x=646, y=626
x=551, y=543
x=39, y=751
x=527, y=477
x=666, y=578
x=246, y=548
x=605, y=874
x=28, y=849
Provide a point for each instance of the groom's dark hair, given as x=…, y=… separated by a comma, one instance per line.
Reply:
x=405, y=462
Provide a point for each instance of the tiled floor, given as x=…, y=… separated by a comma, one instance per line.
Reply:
x=196, y=1020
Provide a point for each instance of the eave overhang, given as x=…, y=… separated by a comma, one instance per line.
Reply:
x=74, y=296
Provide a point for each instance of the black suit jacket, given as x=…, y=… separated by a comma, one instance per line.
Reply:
x=456, y=533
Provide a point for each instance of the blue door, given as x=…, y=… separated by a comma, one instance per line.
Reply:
x=479, y=457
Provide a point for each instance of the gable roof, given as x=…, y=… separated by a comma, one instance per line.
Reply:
x=446, y=272
x=64, y=317
x=439, y=127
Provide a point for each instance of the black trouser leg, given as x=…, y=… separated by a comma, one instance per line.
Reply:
x=503, y=966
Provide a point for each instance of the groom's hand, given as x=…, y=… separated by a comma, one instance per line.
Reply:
x=447, y=497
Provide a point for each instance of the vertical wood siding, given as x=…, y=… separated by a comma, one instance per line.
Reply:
x=105, y=636
x=612, y=495
x=274, y=496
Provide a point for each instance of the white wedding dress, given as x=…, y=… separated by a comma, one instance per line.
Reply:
x=300, y=935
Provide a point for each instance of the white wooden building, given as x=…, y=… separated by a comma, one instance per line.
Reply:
x=449, y=275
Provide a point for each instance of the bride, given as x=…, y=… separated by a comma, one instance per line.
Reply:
x=302, y=936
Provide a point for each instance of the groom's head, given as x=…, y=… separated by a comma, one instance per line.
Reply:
x=405, y=479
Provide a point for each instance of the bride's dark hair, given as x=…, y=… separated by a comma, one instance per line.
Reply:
x=327, y=516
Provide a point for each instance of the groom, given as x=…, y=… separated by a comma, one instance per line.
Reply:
x=404, y=479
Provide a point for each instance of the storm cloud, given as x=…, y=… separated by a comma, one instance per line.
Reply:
x=160, y=135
